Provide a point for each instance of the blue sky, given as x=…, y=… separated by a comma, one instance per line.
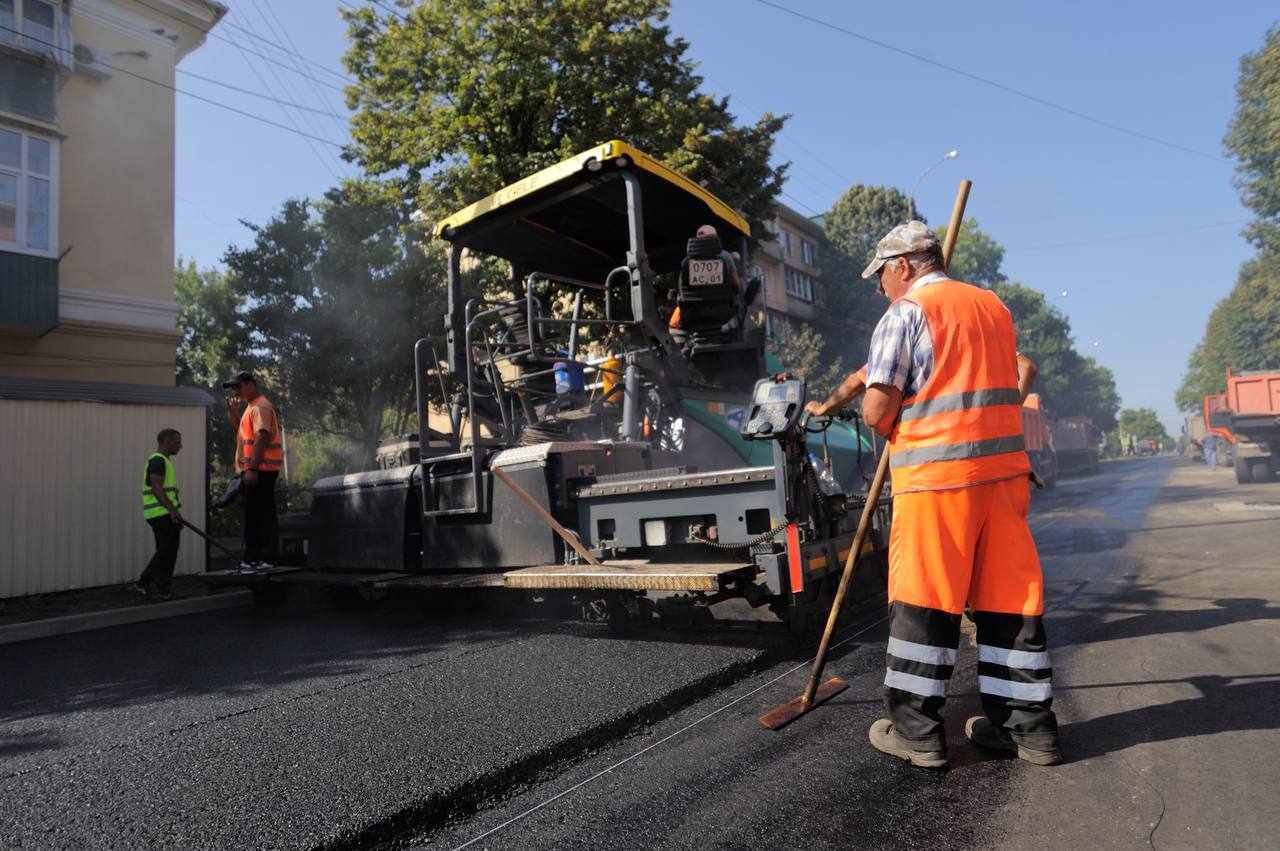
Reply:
x=1141, y=236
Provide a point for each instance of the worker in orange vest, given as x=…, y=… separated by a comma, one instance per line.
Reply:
x=944, y=383
x=259, y=457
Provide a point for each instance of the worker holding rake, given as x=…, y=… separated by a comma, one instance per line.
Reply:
x=944, y=384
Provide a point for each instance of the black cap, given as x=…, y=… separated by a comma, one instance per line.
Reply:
x=239, y=378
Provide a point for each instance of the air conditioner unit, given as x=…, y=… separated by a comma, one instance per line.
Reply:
x=94, y=64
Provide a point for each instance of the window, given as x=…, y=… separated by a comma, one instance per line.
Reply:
x=30, y=24
x=784, y=239
x=809, y=252
x=776, y=327
x=799, y=284
x=28, y=193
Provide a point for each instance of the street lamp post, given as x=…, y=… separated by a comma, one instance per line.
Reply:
x=911, y=196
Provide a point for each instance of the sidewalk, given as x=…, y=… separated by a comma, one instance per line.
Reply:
x=44, y=615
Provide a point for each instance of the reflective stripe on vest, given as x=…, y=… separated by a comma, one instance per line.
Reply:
x=273, y=457
x=151, y=506
x=964, y=427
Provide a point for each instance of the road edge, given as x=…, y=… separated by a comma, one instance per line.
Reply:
x=67, y=624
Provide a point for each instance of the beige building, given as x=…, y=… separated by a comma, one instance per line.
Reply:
x=87, y=312
x=788, y=267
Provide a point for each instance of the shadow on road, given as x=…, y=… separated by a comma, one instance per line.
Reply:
x=1225, y=704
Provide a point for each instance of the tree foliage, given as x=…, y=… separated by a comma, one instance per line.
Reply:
x=1243, y=331
x=802, y=351
x=333, y=296
x=457, y=99
x=1144, y=424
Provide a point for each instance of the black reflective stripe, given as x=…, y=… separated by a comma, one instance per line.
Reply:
x=961, y=402
x=956, y=451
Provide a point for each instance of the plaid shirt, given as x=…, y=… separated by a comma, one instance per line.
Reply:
x=901, y=347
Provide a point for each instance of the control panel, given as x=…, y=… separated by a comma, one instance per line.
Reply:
x=776, y=407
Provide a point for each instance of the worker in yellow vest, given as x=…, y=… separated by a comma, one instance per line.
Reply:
x=944, y=384
x=162, y=509
x=259, y=458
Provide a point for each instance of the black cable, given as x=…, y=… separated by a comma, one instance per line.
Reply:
x=177, y=90
x=284, y=49
x=264, y=57
x=259, y=95
x=993, y=84
x=754, y=542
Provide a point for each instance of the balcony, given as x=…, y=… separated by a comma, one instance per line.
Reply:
x=28, y=294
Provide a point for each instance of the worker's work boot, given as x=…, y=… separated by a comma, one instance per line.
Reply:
x=984, y=734
x=884, y=739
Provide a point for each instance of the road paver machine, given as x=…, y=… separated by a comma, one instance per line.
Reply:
x=681, y=466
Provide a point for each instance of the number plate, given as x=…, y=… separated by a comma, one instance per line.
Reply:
x=705, y=273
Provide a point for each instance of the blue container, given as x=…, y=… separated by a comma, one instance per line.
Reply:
x=569, y=377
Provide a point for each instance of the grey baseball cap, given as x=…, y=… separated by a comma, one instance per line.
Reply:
x=909, y=238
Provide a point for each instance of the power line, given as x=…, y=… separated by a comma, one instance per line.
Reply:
x=252, y=93
x=284, y=87
x=279, y=64
x=177, y=90
x=283, y=30
x=799, y=202
x=284, y=49
x=995, y=85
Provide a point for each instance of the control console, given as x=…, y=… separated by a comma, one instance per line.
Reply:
x=776, y=407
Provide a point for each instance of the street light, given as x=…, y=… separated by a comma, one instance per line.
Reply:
x=949, y=155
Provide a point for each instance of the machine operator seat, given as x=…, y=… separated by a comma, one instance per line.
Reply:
x=707, y=302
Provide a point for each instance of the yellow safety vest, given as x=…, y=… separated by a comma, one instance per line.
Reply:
x=151, y=507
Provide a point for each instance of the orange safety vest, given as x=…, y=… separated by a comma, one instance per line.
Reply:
x=273, y=458
x=964, y=427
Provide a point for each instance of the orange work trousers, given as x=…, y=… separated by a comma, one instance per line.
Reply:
x=949, y=548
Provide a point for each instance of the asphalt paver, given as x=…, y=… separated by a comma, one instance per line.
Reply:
x=1161, y=580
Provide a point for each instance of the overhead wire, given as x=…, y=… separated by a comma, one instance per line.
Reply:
x=280, y=30
x=319, y=153
x=186, y=93
x=252, y=93
x=1045, y=102
x=278, y=63
x=259, y=37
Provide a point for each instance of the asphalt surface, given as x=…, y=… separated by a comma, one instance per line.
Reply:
x=1162, y=580
x=403, y=727
x=314, y=727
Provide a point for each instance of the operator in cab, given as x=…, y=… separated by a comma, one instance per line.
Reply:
x=944, y=384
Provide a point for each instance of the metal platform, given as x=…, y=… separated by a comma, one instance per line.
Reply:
x=626, y=576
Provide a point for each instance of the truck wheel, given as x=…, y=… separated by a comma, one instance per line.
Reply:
x=1243, y=474
x=1262, y=471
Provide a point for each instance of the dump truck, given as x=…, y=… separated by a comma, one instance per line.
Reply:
x=591, y=455
x=1252, y=416
x=1193, y=429
x=1039, y=441
x=1075, y=444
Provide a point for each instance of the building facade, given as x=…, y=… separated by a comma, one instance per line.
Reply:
x=88, y=328
x=788, y=269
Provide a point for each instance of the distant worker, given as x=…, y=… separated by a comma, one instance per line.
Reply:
x=944, y=384
x=1211, y=451
x=708, y=288
x=162, y=509
x=259, y=457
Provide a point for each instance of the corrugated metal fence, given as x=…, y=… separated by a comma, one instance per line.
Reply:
x=71, y=492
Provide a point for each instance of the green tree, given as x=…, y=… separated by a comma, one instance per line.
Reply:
x=455, y=100
x=1253, y=137
x=335, y=294
x=213, y=336
x=1143, y=423
x=851, y=307
x=1243, y=331
x=977, y=256
x=801, y=351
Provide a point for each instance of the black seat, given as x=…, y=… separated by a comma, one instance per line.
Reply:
x=708, y=296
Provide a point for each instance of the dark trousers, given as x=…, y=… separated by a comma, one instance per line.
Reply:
x=259, y=530
x=158, y=573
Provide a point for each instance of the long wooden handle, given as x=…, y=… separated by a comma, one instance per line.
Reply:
x=569, y=537
x=877, y=485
